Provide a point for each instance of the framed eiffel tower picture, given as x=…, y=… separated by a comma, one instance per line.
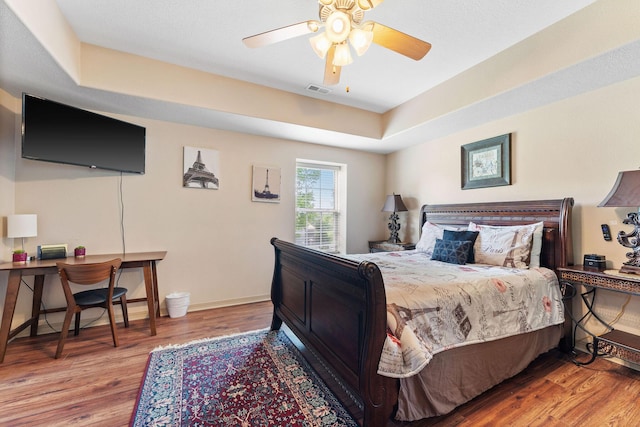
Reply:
x=266, y=184
x=201, y=168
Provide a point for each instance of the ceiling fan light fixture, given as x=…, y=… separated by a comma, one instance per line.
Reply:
x=313, y=26
x=343, y=21
x=320, y=44
x=342, y=56
x=338, y=26
x=364, y=4
x=360, y=40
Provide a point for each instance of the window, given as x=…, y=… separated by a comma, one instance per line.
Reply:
x=319, y=217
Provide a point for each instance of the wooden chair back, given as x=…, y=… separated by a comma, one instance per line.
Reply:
x=89, y=274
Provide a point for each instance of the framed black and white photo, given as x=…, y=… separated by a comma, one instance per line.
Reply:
x=265, y=184
x=486, y=163
x=201, y=168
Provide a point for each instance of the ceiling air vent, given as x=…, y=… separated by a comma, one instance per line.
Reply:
x=318, y=89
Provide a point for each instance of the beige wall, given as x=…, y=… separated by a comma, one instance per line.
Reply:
x=8, y=130
x=217, y=240
x=573, y=148
x=8, y=133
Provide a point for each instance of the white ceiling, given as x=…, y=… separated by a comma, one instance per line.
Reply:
x=207, y=35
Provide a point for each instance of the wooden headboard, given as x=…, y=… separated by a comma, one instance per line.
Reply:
x=557, y=246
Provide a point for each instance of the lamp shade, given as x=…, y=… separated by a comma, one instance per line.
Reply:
x=25, y=225
x=320, y=44
x=394, y=203
x=625, y=192
x=360, y=40
x=342, y=56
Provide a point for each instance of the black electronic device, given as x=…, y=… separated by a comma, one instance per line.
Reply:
x=606, y=232
x=52, y=251
x=59, y=133
x=595, y=262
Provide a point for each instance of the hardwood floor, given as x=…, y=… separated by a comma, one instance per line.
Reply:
x=95, y=384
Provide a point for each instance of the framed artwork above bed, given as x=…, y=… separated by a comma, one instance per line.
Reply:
x=486, y=163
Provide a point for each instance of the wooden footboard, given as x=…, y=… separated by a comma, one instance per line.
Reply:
x=337, y=307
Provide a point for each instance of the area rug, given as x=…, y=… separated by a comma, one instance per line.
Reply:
x=252, y=379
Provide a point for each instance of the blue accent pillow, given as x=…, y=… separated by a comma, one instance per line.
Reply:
x=462, y=236
x=451, y=251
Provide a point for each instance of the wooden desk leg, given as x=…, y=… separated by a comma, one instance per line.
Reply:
x=155, y=288
x=148, y=284
x=10, y=299
x=38, y=286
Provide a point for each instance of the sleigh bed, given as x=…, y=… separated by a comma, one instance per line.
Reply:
x=337, y=307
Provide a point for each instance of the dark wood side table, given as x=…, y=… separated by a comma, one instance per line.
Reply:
x=387, y=246
x=616, y=343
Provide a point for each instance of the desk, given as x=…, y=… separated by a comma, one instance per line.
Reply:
x=39, y=268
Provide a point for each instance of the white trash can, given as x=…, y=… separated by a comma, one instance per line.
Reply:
x=177, y=303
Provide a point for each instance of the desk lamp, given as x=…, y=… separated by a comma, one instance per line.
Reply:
x=21, y=226
x=626, y=193
x=394, y=204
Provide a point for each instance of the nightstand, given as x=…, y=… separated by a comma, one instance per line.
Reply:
x=616, y=343
x=386, y=246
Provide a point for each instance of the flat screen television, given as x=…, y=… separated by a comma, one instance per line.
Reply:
x=59, y=133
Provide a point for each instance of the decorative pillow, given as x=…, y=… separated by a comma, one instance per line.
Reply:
x=431, y=232
x=507, y=246
x=451, y=251
x=466, y=235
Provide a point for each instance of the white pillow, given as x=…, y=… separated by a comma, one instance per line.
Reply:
x=507, y=246
x=431, y=232
x=536, y=246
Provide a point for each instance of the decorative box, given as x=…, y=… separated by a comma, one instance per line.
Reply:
x=595, y=262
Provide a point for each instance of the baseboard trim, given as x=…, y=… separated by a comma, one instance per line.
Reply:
x=220, y=304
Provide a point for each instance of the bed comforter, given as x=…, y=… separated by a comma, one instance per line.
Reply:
x=433, y=306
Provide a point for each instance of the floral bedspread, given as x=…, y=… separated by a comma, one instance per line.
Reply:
x=433, y=306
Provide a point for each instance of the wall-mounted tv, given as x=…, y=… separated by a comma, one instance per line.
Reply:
x=59, y=133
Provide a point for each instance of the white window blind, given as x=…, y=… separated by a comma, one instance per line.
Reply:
x=318, y=214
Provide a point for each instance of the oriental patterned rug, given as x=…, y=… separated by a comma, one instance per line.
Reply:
x=252, y=379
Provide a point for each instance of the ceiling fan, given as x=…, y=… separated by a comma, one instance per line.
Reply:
x=344, y=27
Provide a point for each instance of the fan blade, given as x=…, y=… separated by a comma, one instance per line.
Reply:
x=368, y=4
x=281, y=34
x=331, y=72
x=399, y=42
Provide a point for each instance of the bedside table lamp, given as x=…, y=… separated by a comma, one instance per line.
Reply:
x=626, y=193
x=21, y=226
x=394, y=204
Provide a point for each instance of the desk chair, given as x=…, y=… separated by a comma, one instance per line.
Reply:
x=90, y=274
